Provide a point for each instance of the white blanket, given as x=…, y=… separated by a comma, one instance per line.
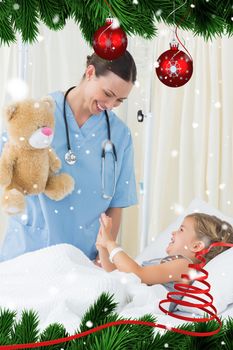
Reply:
x=60, y=283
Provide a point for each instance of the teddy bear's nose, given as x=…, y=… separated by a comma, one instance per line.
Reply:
x=47, y=131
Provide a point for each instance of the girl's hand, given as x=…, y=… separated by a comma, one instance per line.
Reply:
x=98, y=242
x=104, y=235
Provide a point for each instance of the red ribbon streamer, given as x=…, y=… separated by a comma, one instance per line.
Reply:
x=182, y=44
x=183, y=289
x=192, y=291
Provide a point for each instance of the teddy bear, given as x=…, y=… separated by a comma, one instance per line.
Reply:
x=28, y=164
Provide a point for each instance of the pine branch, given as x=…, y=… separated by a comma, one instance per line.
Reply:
x=227, y=334
x=226, y=8
x=196, y=343
x=115, y=337
x=175, y=341
x=53, y=13
x=98, y=312
x=120, y=337
x=133, y=20
x=25, y=18
x=54, y=331
x=205, y=18
x=7, y=34
x=112, y=338
x=7, y=319
x=26, y=330
x=144, y=335
x=84, y=18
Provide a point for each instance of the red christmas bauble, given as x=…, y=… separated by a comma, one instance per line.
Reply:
x=110, y=42
x=175, y=67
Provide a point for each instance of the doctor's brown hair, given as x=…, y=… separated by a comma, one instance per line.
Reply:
x=124, y=66
x=214, y=229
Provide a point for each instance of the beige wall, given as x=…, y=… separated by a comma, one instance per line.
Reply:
x=130, y=233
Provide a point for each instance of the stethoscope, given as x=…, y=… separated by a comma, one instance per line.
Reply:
x=107, y=147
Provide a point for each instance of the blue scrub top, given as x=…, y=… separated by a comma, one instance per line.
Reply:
x=75, y=219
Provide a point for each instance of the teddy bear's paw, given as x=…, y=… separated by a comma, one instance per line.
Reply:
x=4, y=182
x=56, y=165
x=59, y=186
x=5, y=178
x=13, y=202
x=12, y=210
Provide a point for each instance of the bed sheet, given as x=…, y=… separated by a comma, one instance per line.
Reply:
x=60, y=283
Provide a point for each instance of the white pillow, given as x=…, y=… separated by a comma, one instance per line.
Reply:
x=158, y=247
x=221, y=282
x=219, y=268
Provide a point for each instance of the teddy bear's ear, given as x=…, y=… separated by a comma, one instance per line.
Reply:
x=49, y=101
x=10, y=110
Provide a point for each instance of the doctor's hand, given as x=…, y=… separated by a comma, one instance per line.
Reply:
x=97, y=261
x=104, y=235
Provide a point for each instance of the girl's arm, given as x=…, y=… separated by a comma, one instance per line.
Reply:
x=104, y=258
x=163, y=273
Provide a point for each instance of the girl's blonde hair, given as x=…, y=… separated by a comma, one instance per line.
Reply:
x=211, y=229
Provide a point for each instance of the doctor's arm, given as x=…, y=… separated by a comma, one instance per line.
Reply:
x=124, y=196
x=115, y=215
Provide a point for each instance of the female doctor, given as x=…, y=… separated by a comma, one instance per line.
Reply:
x=95, y=147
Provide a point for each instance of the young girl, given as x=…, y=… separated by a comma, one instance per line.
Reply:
x=196, y=232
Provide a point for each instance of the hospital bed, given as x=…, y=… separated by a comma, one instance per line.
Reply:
x=60, y=282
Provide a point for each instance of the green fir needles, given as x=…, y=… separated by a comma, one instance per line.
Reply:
x=119, y=337
x=207, y=18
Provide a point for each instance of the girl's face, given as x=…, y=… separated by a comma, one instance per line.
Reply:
x=184, y=241
x=104, y=92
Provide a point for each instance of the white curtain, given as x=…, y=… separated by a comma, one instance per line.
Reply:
x=191, y=132
x=192, y=129
x=191, y=140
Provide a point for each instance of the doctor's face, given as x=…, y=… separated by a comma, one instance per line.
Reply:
x=104, y=92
